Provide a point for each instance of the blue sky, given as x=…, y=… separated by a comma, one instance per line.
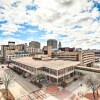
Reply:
x=76, y=23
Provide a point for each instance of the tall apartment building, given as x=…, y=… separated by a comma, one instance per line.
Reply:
x=52, y=43
x=32, y=51
x=20, y=47
x=34, y=44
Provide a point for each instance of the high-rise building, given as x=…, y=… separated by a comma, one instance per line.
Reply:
x=20, y=47
x=52, y=43
x=59, y=45
x=34, y=44
x=11, y=45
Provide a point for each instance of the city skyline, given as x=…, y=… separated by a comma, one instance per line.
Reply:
x=73, y=23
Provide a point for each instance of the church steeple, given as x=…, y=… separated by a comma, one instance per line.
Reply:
x=59, y=45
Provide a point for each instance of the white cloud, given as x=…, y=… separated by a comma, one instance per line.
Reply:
x=4, y=41
x=30, y=38
x=58, y=17
x=7, y=33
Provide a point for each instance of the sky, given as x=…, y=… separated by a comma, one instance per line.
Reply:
x=75, y=23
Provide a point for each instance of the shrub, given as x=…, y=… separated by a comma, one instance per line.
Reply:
x=38, y=84
x=75, y=79
x=63, y=84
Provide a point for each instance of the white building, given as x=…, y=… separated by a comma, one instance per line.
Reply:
x=32, y=50
x=16, y=55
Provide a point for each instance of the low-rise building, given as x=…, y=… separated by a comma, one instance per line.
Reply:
x=67, y=49
x=97, y=56
x=55, y=71
x=16, y=55
x=86, y=57
x=72, y=56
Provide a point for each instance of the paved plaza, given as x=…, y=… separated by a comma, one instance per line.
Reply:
x=19, y=86
x=22, y=89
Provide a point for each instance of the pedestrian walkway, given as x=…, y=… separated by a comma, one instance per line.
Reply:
x=24, y=83
x=1, y=98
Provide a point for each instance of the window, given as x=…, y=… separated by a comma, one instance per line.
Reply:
x=60, y=71
x=52, y=71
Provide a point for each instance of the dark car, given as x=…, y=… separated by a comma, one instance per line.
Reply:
x=2, y=66
x=1, y=82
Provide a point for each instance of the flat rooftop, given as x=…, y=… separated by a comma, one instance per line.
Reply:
x=53, y=64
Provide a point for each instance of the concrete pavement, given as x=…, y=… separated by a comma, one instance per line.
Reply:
x=19, y=86
x=24, y=82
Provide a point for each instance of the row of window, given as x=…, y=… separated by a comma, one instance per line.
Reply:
x=18, y=56
x=60, y=72
x=25, y=67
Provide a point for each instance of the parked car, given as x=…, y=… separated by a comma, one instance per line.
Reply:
x=75, y=79
x=38, y=84
x=2, y=66
x=1, y=82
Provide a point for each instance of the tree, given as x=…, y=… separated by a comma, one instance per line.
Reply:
x=63, y=84
x=93, y=83
x=8, y=62
x=2, y=60
x=7, y=79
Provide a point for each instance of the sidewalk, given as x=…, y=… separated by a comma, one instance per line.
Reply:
x=2, y=97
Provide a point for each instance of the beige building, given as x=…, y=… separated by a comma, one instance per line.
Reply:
x=47, y=50
x=32, y=51
x=42, y=57
x=20, y=47
x=55, y=71
x=64, y=55
x=86, y=57
x=97, y=56
x=10, y=49
x=7, y=50
x=34, y=44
